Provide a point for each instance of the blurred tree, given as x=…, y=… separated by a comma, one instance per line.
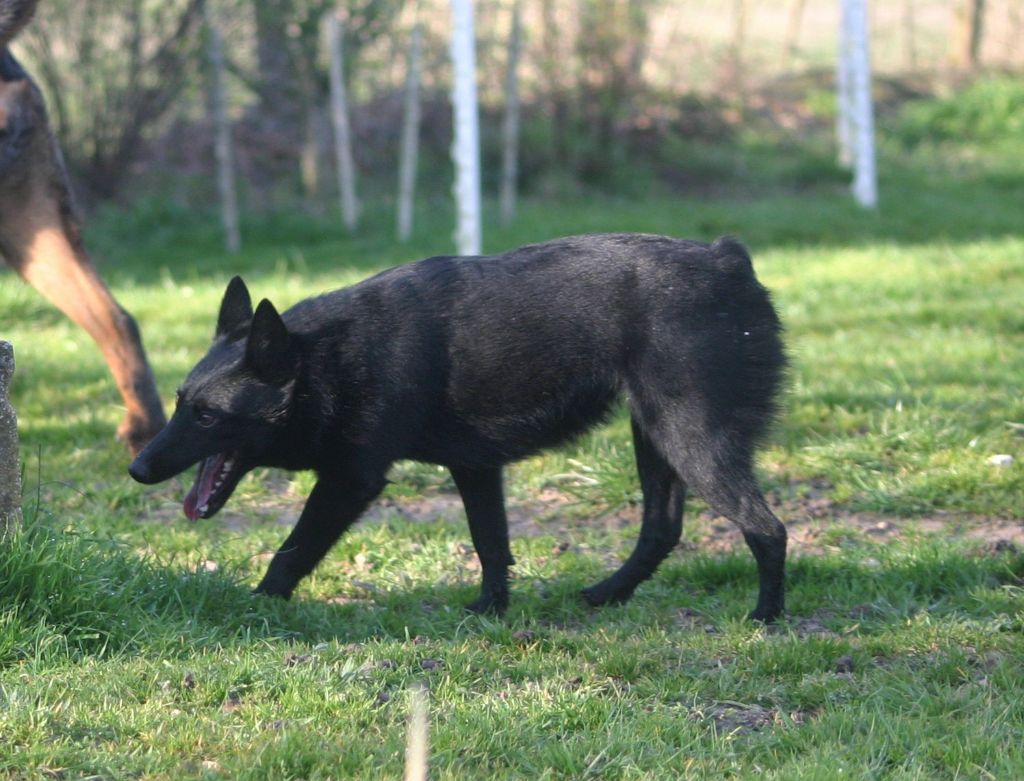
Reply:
x=111, y=69
x=844, y=89
x=793, y=25
x=739, y=44
x=340, y=122
x=611, y=48
x=510, y=125
x=409, y=153
x=909, y=36
x=965, y=42
x=290, y=82
x=223, y=146
x=557, y=72
x=1015, y=14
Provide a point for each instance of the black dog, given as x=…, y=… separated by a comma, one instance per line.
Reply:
x=475, y=362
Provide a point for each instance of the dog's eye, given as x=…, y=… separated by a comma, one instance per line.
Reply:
x=205, y=418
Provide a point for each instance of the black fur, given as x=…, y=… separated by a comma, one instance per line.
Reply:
x=10, y=68
x=14, y=14
x=475, y=362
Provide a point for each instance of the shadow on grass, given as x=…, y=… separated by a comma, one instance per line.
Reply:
x=81, y=596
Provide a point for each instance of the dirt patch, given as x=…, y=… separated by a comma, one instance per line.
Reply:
x=809, y=535
x=816, y=525
x=734, y=718
x=549, y=511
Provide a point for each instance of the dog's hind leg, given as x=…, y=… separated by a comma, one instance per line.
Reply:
x=734, y=493
x=335, y=503
x=716, y=460
x=483, y=498
x=662, y=525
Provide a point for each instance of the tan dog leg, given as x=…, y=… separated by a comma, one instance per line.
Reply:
x=58, y=267
x=40, y=237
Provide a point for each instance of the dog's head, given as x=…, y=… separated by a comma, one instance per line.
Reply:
x=230, y=407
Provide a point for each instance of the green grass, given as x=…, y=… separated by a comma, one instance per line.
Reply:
x=131, y=648
x=119, y=666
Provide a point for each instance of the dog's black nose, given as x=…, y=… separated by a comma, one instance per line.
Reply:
x=139, y=470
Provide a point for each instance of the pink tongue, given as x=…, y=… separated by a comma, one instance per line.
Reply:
x=202, y=488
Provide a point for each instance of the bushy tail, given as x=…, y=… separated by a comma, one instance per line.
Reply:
x=759, y=373
x=14, y=14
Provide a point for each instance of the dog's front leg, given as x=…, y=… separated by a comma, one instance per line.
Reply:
x=335, y=503
x=484, y=500
x=44, y=247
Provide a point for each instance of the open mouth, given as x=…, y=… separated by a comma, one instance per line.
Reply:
x=217, y=477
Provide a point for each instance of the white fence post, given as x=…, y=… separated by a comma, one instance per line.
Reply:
x=466, y=144
x=858, y=128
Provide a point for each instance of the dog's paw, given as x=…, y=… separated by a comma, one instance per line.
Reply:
x=258, y=592
x=765, y=616
x=136, y=432
x=269, y=589
x=606, y=593
x=488, y=605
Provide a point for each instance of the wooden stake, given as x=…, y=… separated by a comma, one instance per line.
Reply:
x=10, y=464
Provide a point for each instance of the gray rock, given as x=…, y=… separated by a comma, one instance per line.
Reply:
x=1001, y=460
x=10, y=465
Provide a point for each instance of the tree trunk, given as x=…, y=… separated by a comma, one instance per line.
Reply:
x=1015, y=20
x=466, y=144
x=113, y=72
x=410, y=138
x=796, y=17
x=339, y=119
x=844, y=89
x=865, y=184
x=965, y=41
x=739, y=43
x=510, y=127
x=276, y=79
x=223, y=149
x=909, y=36
x=554, y=67
x=10, y=465
x=309, y=158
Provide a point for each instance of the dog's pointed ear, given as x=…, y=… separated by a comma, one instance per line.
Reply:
x=268, y=352
x=235, y=308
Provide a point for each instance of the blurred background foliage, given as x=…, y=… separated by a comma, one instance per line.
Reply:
x=621, y=96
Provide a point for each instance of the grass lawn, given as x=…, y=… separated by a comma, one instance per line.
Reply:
x=131, y=648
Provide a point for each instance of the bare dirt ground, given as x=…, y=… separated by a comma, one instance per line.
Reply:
x=816, y=525
x=812, y=522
